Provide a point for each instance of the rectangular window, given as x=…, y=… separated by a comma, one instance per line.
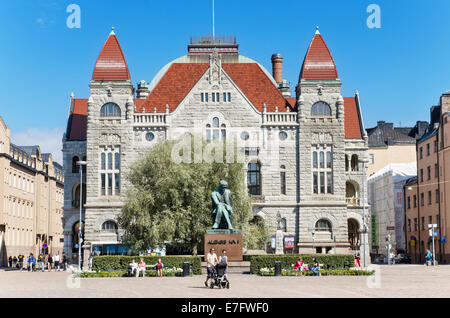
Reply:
x=409, y=225
x=329, y=182
x=437, y=196
x=110, y=163
x=206, y=97
x=213, y=97
x=420, y=153
x=316, y=183
x=217, y=97
x=423, y=222
x=429, y=197
x=422, y=199
x=103, y=184
x=224, y=97
x=283, y=182
x=202, y=97
x=110, y=183
x=421, y=175
x=416, y=226
x=322, y=182
x=229, y=97
x=428, y=149
x=409, y=202
x=415, y=201
x=117, y=183
x=429, y=172
x=435, y=146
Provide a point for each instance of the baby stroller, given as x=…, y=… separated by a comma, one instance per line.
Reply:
x=220, y=280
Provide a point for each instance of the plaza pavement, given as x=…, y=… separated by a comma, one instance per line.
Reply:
x=391, y=281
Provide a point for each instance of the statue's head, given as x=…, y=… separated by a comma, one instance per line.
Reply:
x=223, y=185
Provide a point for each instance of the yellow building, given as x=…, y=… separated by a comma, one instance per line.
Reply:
x=31, y=200
x=389, y=144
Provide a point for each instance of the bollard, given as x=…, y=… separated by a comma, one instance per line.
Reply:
x=186, y=269
x=277, y=268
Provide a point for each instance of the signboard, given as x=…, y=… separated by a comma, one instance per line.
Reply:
x=273, y=242
x=289, y=241
x=390, y=228
x=443, y=240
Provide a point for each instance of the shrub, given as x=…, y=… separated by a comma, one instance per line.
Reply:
x=169, y=272
x=111, y=263
x=329, y=261
x=323, y=272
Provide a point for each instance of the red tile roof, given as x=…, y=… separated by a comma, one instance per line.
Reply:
x=255, y=84
x=351, y=118
x=173, y=87
x=77, y=123
x=181, y=77
x=318, y=63
x=111, y=64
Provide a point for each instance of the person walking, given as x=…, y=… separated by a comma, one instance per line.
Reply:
x=21, y=259
x=428, y=257
x=357, y=260
x=41, y=259
x=211, y=261
x=224, y=259
x=49, y=262
x=14, y=260
x=64, y=261
x=30, y=262
x=10, y=261
x=56, y=262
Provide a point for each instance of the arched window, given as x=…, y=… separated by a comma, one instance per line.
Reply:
x=109, y=226
x=346, y=163
x=110, y=110
x=75, y=168
x=321, y=109
x=217, y=130
x=76, y=196
x=254, y=178
x=323, y=225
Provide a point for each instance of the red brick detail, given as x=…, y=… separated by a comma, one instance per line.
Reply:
x=351, y=118
x=318, y=63
x=77, y=125
x=111, y=64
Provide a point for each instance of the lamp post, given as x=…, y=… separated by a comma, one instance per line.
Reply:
x=81, y=164
x=364, y=161
x=313, y=232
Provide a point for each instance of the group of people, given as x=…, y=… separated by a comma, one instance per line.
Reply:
x=211, y=261
x=39, y=263
x=135, y=268
x=301, y=266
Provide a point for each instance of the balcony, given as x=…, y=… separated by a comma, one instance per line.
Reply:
x=353, y=201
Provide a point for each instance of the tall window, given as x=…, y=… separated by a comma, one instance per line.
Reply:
x=254, y=178
x=322, y=169
x=355, y=166
x=75, y=167
x=110, y=171
x=321, y=109
x=283, y=180
x=110, y=110
x=216, y=130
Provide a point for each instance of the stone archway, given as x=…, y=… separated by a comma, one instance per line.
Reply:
x=354, y=231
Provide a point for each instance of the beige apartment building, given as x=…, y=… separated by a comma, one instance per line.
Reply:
x=389, y=144
x=31, y=200
x=428, y=196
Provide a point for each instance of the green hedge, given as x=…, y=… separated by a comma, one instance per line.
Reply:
x=111, y=263
x=122, y=273
x=323, y=272
x=329, y=261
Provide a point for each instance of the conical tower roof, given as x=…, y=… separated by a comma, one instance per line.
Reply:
x=111, y=64
x=318, y=63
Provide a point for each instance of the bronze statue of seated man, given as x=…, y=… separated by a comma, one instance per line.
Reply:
x=222, y=206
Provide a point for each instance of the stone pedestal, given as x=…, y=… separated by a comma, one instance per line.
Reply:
x=229, y=240
x=279, y=242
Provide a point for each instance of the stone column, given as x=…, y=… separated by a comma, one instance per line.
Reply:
x=279, y=242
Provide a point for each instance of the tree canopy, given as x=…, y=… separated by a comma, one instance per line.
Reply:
x=170, y=202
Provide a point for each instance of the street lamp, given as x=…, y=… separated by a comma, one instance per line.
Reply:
x=364, y=161
x=81, y=164
x=313, y=232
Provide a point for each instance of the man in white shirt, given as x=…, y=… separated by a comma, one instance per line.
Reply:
x=211, y=261
x=56, y=262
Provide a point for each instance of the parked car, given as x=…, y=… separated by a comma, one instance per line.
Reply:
x=402, y=259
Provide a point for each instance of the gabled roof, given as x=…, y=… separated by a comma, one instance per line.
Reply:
x=351, y=118
x=111, y=64
x=180, y=78
x=318, y=63
x=77, y=123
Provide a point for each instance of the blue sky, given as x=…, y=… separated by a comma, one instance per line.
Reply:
x=400, y=69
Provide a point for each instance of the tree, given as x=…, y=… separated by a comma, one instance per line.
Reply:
x=169, y=201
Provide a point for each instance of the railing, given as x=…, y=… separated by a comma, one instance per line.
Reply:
x=280, y=118
x=353, y=201
x=150, y=119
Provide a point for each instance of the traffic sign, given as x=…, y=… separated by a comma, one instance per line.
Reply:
x=44, y=245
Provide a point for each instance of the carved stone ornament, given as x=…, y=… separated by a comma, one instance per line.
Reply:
x=321, y=138
x=109, y=139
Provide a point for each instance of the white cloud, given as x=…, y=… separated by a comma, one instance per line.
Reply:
x=49, y=140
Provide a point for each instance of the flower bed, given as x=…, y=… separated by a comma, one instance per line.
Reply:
x=167, y=272
x=323, y=272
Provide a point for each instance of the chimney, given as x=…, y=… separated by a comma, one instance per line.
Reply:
x=277, y=67
x=142, y=91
